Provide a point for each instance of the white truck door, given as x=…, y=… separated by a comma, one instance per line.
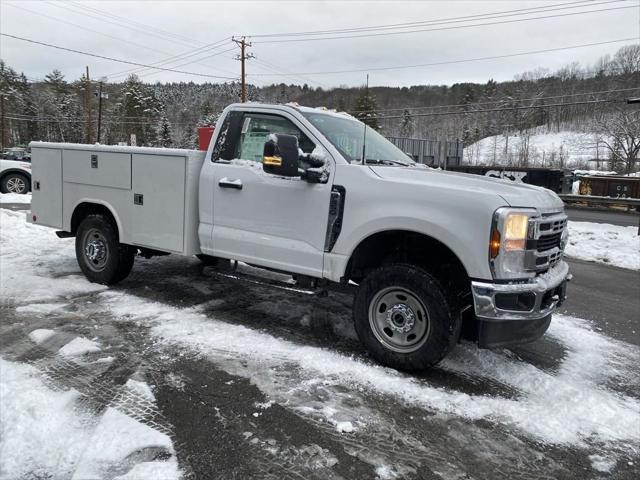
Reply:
x=264, y=219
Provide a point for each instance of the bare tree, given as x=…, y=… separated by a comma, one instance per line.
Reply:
x=627, y=59
x=619, y=132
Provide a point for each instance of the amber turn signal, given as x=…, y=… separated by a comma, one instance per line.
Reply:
x=275, y=161
x=494, y=244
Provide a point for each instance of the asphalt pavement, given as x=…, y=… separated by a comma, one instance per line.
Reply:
x=624, y=219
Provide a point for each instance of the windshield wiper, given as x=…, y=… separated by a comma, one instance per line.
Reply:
x=377, y=161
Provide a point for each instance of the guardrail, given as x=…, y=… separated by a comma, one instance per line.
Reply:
x=593, y=200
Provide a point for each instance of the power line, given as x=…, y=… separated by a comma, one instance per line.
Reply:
x=192, y=61
x=502, y=109
x=455, y=27
x=84, y=28
x=465, y=18
x=114, y=59
x=450, y=62
x=119, y=23
x=503, y=100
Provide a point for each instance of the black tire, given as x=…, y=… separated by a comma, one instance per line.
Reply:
x=106, y=260
x=15, y=183
x=427, y=302
x=207, y=260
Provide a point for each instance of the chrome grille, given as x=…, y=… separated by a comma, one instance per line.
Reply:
x=544, y=246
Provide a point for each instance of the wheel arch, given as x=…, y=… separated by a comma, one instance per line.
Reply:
x=94, y=207
x=407, y=246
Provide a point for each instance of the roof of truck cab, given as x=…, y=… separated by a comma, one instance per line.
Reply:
x=97, y=147
x=293, y=106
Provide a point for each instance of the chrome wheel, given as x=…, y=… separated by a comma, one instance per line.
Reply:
x=16, y=185
x=399, y=319
x=96, y=249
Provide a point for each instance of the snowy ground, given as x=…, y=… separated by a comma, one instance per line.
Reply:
x=178, y=371
x=15, y=198
x=568, y=148
x=603, y=243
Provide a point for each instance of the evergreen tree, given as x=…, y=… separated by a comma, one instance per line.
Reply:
x=406, y=129
x=164, y=132
x=366, y=109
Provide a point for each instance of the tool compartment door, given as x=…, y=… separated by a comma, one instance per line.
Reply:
x=98, y=168
x=158, y=202
x=46, y=185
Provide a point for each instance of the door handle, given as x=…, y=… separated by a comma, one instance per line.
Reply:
x=230, y=183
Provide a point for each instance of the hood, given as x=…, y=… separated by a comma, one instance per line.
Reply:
x=514, y=194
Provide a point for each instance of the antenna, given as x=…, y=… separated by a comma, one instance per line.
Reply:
x=364, y=138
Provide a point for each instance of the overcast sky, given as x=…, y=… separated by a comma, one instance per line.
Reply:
x=152, y=31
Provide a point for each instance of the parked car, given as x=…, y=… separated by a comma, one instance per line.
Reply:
x=292, y=189
x=15, y=176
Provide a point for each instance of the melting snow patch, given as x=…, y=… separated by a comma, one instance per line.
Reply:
x=600, y=415
x=344, y=427
x=41, y=335
x=24, y=276
x=39, y=429
x=79, y=346
x=602, y=464
x=141, y=388
x=114, y=441
x=40, y=308
x=604, y=243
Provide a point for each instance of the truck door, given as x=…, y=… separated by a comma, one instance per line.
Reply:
x=264, y=219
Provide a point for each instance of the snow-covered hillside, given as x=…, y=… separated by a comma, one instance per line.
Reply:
x=542, y=148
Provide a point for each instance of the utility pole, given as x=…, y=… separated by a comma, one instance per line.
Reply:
x=87, y=99
x=242, y=57
x=100, y=96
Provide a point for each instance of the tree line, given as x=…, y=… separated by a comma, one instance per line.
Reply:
x=168, y=114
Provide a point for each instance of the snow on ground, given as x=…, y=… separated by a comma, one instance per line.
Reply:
x=545, y=148
x=15, y=198
x=600, y=416
x=603, y=243
x=116, y=437
x=43, y=434
x=37, y=265
x=41, y=335
x=79, y=346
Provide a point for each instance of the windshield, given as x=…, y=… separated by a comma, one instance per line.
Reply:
x=347, y=134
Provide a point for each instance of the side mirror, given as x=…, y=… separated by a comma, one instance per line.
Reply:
x=281, y=156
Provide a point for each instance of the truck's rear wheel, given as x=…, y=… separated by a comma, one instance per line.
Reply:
x=102, y=258
x=403, y=318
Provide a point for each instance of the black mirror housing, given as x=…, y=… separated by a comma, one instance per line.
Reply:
x=280, y=156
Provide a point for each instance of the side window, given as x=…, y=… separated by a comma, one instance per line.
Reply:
x=255, y=131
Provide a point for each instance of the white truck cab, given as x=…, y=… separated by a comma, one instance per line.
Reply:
x=293, y=189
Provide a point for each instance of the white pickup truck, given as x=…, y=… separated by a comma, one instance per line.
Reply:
x=292, y=189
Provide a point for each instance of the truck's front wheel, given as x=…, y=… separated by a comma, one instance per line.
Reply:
x=403, y=318
x=102, y=258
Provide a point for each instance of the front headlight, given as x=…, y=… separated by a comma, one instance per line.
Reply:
x=508, y=242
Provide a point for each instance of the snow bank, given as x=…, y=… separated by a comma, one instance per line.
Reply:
x=604, y=243
x=24, y=198
x=601, y=415
x=35, y=264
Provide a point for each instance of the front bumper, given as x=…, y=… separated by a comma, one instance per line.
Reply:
x=513, y=313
